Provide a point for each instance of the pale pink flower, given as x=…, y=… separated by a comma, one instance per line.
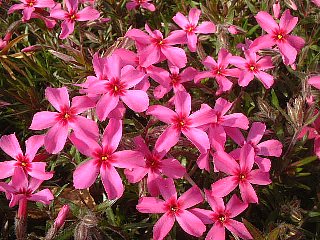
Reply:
x=10, y=145
x=316, y=2
x=156, y=164
x=222, y=216
x=20, y=190
x=216, y=129
x=253, y=66
x=276, y=9
x=66, y=118
x=72, y=15
x=115, y=86
x=233, y=30
x=181, y=121
x=30, y=6
x=170, y=80
x=314, y=81
x=153, y=48
x=62, y=215
x=240, y=174
x=219, y=70
x=133, y=4
x=191, y=28
x=288, y=45
x=104, y=159
x=174, y=209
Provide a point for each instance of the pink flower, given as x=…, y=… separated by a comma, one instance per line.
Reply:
x=253, y=66
x=62, y=215
x=233, y=30
x=313, y=132
x=170, y=80
x=182, y=122
x=10, y=145
x=239, y=174
x=104, y=159
x=314, y=81
x=276, y=9
x=20, y=190
x=66, y=118
x=71, y=15
x=316, y=2
x=155, y=166
x=118, y=79
x=289, y=45
x=221, y=217
x=4, y=42
x=190, y=28
x=29, y=6
x=266, y=148
x=219, y=71
x=216, y=130
x=173, y=209
x=154, y=48
x=140, y=3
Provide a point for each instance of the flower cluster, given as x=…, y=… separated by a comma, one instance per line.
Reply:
x=121, y=82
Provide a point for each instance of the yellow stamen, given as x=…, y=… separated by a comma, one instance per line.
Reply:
x=104, y=158
x=252, y=68
x=279, y=36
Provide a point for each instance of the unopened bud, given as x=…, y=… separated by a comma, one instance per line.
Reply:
x=62, y=215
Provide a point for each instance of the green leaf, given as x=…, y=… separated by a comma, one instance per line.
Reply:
x=274, y=234
x=304, y=161
x=256, y=233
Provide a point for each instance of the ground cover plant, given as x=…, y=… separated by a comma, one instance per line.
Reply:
x=158, y=119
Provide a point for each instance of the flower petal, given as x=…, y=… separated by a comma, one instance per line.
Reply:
x=112, y=134
x=105, y=105
x=177, y=56
x=180, y=20
x=167, y=139
x=190, y=223
x=167, y=188
x=85, y=174
x=172, y=168
x=206, y=27
x=259, y=177
x=198, y=137
x=235, y=206
x=238, y=229
x=58, y=97
x=270, y=148
x=137, y=100
x=43, y=120
x=7, y=169
x=151, y=205
x=225, y=163
x=217, y=232
x=256, y=132
x=128, y=159
x=56, y=137
x=266, y=22
x=190, y=198
x=33, y=144
x=262, y=42
x=112, y=182
x=87, y=14
x=163, y=226
x=162, y=113
x=247, y=192
x=194, y=15
x=44, y=196
x=224, y=186
x=287, y=22
x=10, y=145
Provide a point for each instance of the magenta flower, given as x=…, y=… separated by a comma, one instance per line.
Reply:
x=20, y=190
x=216, y=130
x=239, y=174
x=190, y=28
x=219, y=70
x=119, y=80
x=154, y=167
x=288, y=45
x=253, y=66
x=140, y=3
x=173, y=209
x=172, y=80
x=29, y=6
x=66, y=118
x=154, y=48
x=182, y=122
x=71, y=15
x=222, y=216
x=104, y=159
x=10, y=145
x=314, y=81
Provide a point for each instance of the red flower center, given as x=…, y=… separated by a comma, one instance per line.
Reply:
x=72, y=16
x=242, y=176
x=116, y=87
x=172, y=206
x=153, y=162
x=279, y=36
x=190, y=28
x=31, y=3
x=181, y=122
x=175, y=79
x=23, y=162
x=222, y=218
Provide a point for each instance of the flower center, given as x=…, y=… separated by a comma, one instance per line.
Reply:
x=116, y=87
x=160, y=42
x=175, y=79
x=153, y=162
x=252, y=68
x=31, y=3
x=242, y=176
x=279, y=36
x=190, y=29
x=104, y=158
x=222, y=218
x=66, y=116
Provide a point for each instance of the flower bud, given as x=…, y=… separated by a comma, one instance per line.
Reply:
x=62, y=215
